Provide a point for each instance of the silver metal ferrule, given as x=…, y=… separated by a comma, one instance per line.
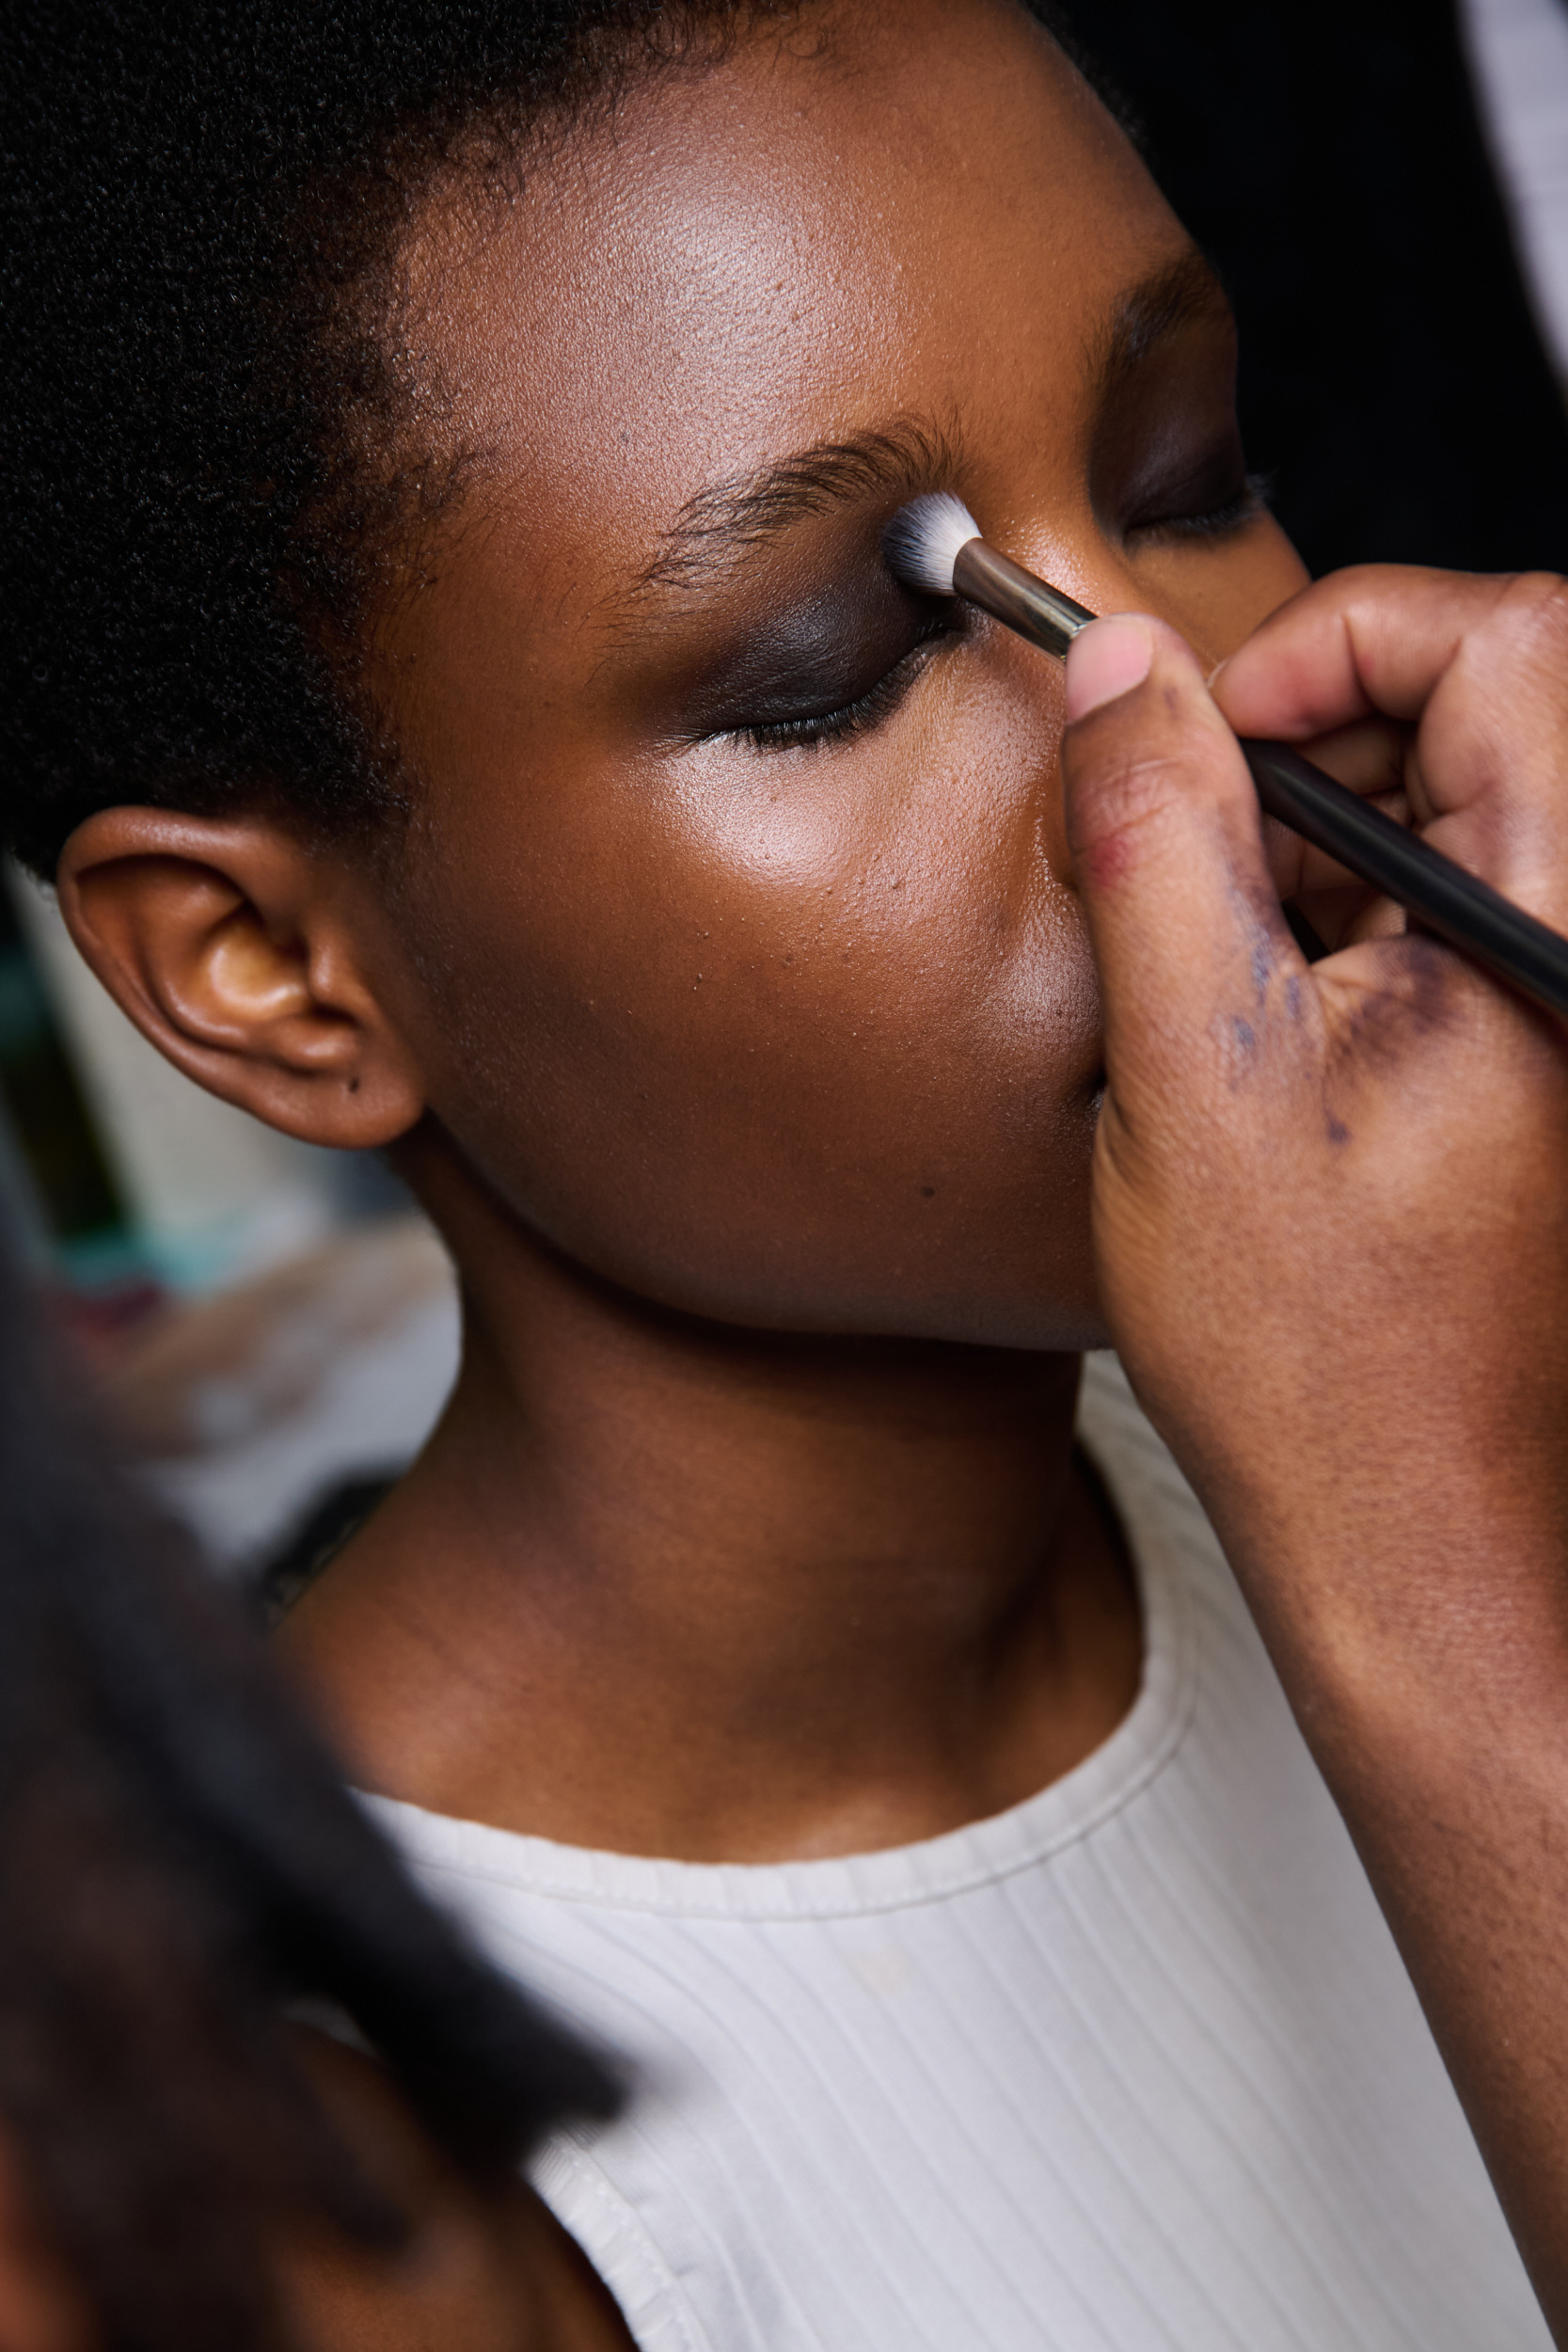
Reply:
x=1014, y=596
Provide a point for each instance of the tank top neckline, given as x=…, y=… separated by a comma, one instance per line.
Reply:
x=888, y=1877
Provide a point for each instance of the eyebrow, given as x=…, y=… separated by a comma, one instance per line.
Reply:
x=731, y=517
x=1184, y=292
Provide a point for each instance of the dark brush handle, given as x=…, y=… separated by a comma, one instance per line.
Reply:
x=1467, y=912
x=1457, y=905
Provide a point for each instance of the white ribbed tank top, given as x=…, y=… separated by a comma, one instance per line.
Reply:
x=1133, y=2067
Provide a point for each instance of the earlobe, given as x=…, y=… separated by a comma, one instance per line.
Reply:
x=242, y=955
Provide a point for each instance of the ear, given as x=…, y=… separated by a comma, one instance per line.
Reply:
x=244, y=956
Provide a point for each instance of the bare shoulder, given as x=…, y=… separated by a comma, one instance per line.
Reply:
x=477, y=2273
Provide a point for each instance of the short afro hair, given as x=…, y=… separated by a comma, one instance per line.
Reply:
x=205, y=473
x=212, y=458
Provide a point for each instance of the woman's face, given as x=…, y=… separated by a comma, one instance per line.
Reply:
x=751, y=969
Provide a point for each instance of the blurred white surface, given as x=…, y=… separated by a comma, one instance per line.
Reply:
x=1519, y=59
x=333, y=1368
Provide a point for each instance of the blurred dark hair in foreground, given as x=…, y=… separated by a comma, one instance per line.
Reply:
x=179, y=1861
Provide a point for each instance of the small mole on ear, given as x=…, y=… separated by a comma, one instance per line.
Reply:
x=927, y=1192
x=353, y=1086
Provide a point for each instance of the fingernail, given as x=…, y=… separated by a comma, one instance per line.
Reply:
x=1109, y=659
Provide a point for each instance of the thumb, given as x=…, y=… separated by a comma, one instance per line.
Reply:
x=1166, y=841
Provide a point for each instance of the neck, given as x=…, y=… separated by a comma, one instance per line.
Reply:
x=670, y=1588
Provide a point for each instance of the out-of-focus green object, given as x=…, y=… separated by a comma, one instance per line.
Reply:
x=73, y=1191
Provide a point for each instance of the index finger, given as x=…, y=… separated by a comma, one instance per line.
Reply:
x=1481, y=663
x=1377, y=637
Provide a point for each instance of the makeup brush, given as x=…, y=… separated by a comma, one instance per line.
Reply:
x=934, y=543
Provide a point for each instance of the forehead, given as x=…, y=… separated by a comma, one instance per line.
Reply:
x=872, y=212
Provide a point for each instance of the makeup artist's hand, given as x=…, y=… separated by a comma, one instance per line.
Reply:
x=1331, y=1219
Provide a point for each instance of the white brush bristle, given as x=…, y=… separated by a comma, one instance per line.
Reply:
x=921, y=542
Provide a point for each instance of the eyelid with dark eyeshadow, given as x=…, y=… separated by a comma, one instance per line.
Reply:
x=824, y=659
x=810, y=730
x=868, y=710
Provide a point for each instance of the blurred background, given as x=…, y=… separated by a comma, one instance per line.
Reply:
x=1384, y=185
x=274, y=1327
x=1384, y=188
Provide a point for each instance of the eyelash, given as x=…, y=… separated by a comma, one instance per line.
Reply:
x=1250, y=501
x=857, y=717
x=869, y=709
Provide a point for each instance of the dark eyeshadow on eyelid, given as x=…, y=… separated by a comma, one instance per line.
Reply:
x=815, y=654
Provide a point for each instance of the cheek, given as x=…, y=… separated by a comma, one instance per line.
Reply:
x=784, y=1038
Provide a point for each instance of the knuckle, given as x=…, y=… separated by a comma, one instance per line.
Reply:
x=1532, y=615
x=1356, y=582
x=1360, y=595
x=1514, y=722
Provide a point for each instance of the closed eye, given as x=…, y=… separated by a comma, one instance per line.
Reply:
x=812, y=729
x=1216, y=520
